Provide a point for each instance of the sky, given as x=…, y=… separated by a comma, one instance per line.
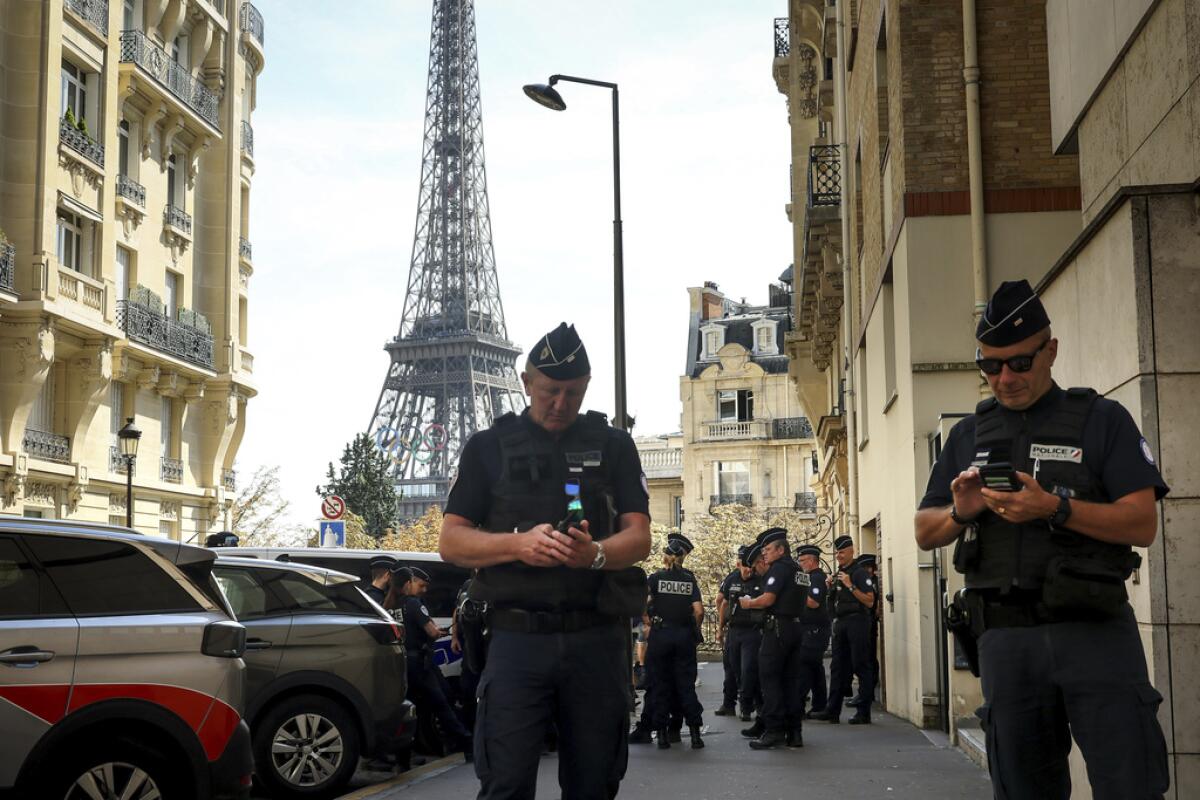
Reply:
x=338, y=131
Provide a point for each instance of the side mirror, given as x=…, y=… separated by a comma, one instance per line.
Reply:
x=224, y=639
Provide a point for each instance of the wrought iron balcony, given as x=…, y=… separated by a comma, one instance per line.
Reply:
x=824, y=175
x=152, y=328
x=137, y=49
x=178, y=219
x=131, y=190
x=229, y=479
x=782, y=41
x=94, y=11
x=252, y=22
x=791, y=428
x=806, y=502
x=247, y=139
x=245, y=250
x=170, y=469
x=47, y=446
x=8, y=260
x=80, y=142
x=117, y=464
x=730, y=499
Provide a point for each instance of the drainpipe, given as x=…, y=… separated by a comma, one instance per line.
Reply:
x=975, y=160
x=848, y=329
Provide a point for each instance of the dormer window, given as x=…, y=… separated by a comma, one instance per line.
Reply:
x=714, y=340
x=765, y=343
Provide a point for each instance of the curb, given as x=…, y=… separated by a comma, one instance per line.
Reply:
x=413, y=776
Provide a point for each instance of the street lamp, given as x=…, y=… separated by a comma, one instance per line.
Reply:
x=129, y=436
x=546, y=95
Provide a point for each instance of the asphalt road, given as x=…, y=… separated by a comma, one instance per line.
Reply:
x=889, y=759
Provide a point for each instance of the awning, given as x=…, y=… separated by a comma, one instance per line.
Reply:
x=76, y=207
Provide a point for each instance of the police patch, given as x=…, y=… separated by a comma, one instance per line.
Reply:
x=869, y=582
x=770, y=581
x=645, y=486
x=1056, y=452
x=1146, y=454
x=425, y=611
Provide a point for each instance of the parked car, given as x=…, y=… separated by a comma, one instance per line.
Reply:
x=325, y=674
x=120, y=667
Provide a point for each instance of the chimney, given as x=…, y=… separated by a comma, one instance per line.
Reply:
x=712, y=302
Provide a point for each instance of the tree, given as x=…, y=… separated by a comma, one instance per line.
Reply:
x=364, y=481
x=257, y=512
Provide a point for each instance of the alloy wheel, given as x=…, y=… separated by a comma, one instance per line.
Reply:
x=306, y=750
x=114, y=780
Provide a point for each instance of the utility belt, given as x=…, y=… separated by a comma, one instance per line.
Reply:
x=517, y=620
x=777, y=622
x=844, y=614
x=659, y=622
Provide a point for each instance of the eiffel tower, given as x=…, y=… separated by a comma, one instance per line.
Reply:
x=452, y=366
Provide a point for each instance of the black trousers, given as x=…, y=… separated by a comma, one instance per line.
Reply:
x=819, y=686
x=815, y=639
x=781, y=669
x=1041, y=684
x=671, y=661
x=580, y=682
x=851, y=645
x=741, y=666
x=428, y=694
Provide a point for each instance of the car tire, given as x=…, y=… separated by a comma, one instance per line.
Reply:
x=306, y=721
x=114, y=769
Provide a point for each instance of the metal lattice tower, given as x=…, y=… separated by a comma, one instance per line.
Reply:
x=452, y=366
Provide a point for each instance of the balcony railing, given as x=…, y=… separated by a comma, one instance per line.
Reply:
x=131, y=190
x=80, y=142
x=824, y=175
x=806, y=502
x=730, y=499
x=252, y=22
x=145, y=325
x=247, y=139
x=744, y=429
x=664, y=463
x=8, y=261
x=229, y=479
x=170, y=469
x=791, y=428
x=245, y=250
x=178, y=219
x=782, y=41
x=117, y=464
x=137, y=49
x=94, y=11
x=47, y=446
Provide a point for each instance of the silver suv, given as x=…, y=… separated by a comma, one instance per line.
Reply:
x=120, y=668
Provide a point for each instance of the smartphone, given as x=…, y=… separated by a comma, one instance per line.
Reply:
x=1000, y=477
x=574, y=508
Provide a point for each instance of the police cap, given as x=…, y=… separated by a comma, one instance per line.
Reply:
x=741, y=553
x=382, y=562
x=1012, y=315
x=222, y=539
x=809, y=550
x=752, y=555
x=842, y=542
x=771, y=535
x=678, y=544
x=401, y=574
x=419, y=573
x=866, y=560
x=560, y=354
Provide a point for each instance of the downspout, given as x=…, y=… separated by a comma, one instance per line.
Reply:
x=975, y=160
x=848, y=294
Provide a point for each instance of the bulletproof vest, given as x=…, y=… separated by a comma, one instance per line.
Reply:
x=1004, y=554
x=415, y=637
x=791, y=596
x=751, y=587
x=671, y=595
x=844, y=602
x=818, y=615
x=534, y=470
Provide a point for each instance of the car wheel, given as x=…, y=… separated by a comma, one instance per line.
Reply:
x=307, y=746
x=124, y=769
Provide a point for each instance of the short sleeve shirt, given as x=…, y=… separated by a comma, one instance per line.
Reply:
x=479, y=469
x=727, y=585
x=416, y=617
x=778, y=576
x=1113, y=449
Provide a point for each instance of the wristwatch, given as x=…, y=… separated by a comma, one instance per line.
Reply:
x=1063, y=512
x=600, y=559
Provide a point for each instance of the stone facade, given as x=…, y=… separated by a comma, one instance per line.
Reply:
x=126, y=158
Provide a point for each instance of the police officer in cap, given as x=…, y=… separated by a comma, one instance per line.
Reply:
x=561, y=589
x=868, y=562
x=785, y=591
x=852, y=596
x=222, y=539
x=676, y=612
x=381, y=578
x=741, y=632
x=1045, y=492
x=815, y=635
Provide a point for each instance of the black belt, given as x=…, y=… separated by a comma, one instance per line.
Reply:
x=846, y=614
x=518, y=620
x=658, y=622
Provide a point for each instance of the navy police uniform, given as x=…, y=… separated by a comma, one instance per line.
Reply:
x=1059, y=651
x=815, y=638
x=425, y=686
x=671, y=651
x=743, y=638
x=372, y=591
x=851, y=641
x=559, y=649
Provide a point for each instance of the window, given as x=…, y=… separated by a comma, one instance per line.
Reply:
x=108, y=578
x=714, y=340
x=166, y=529
x=179, y=51
x=889, y=346
x=764, y=337
x=41, y=415
x=733, y=478
x=116, y=417
x=172, y=196
x=881, y=88
x=74, y=91
x=24, y=592
x=248, y=598
x=815, y=467
x=129, y=16
x=171, y=301
x=167, y=427
x=676, y=512
x=70, y=240
x=244, y=330
x=123, y=147
x=863, y=406
x=735, y=405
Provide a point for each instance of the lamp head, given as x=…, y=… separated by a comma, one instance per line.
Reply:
x=129, y=436
x=546, y=96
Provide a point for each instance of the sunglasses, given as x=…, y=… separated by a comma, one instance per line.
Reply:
x=993, y=366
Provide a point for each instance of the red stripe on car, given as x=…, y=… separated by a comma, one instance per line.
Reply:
x=47, y=702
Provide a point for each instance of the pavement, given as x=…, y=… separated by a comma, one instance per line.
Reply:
x=888, y=759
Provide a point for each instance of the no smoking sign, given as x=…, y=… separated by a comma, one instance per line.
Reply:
x=333, y=507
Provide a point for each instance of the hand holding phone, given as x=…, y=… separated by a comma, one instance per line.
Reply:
x=1000, y=477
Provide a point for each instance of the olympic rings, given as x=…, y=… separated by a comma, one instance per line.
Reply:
x=420, y=445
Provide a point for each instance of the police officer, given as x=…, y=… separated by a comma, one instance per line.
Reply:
x=468, y=637
x=868, y=562
x=1044, y=493
x=785, y=590
x=741, y=631
x=561, y=590
x=222, y=539
x=852, y=597
x=675, y=611
x=381, y=578
x=425, y=686
x=815, y=619
x=759, y=566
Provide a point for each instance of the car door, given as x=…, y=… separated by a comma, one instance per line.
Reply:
x=267, y=624
x=39, y=639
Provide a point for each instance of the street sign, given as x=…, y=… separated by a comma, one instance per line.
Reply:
x=333, y=507
x=333, y=533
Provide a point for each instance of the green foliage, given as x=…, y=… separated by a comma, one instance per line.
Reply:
x=193, y=319
x=259, y=510
x=81, y=125
x=364, y=481
x=70, y=118
x=146, y=298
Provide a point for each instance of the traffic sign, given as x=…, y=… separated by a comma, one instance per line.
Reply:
x=333, y=533
x=333, y=507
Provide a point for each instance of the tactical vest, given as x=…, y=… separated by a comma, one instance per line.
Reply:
x=534, y=471
x=671, y=595
x=744, y=617
x=844, y=602
x=791, y=596
x=1003, y=554
x=818, y=615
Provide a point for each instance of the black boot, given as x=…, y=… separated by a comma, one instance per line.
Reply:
x=676, y=736
x=726, y=710
x=639, y=735
x=768, y=740
x=795, y=738
x=747, y=713
x=825, y=716
x=664, y=739
x=756, y=730
x=861, y=719
x=697, y=742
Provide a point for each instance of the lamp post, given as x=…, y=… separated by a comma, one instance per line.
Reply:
x=129, y=436
x=546, y=95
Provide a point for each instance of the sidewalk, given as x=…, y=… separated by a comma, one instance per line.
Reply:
x=889, y=759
